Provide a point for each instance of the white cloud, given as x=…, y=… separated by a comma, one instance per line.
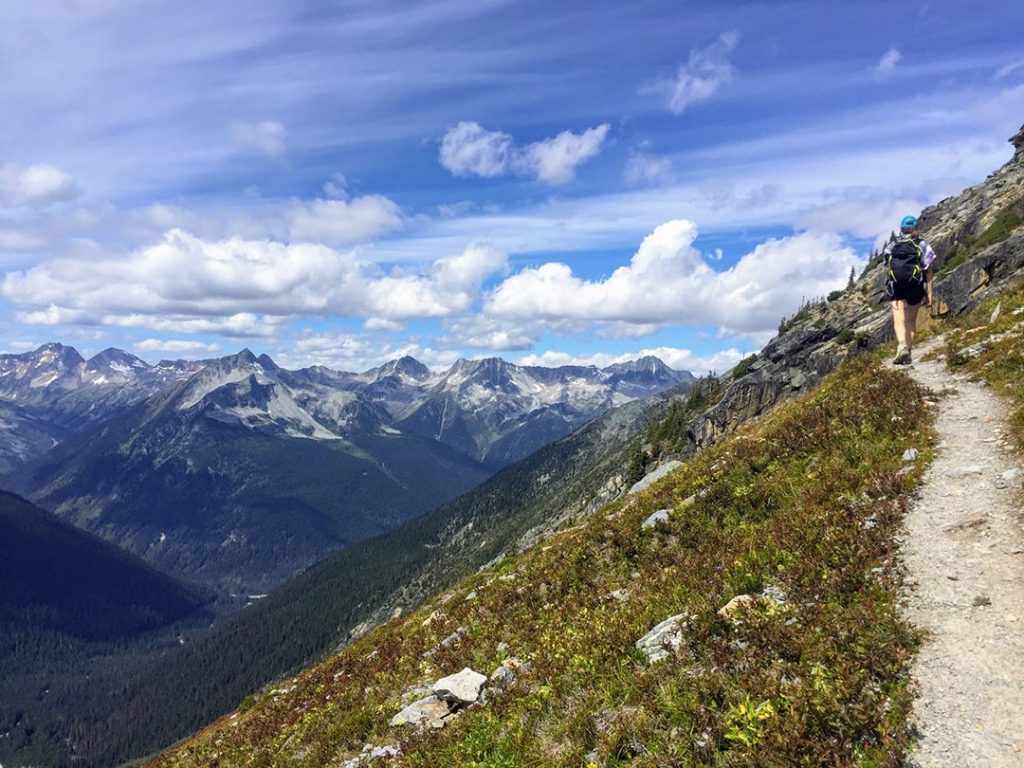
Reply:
x=352, y=352
x=201, y=283
x=468, y=149
x=885, y=66
x=35, y=185
x=266, y=137
x=336, y=188
x=1008, y=69
x=241, y=325
x=339, y=222
x=861, y=218
x=19, y=240
x=645, y=168
x=673, y=357
x=176, y=346
x=499, y=335
x=15, y=347
x=554, y=161
x=668, y=282
x=705, y=72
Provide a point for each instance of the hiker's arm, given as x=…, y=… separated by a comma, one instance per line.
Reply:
x=928, y=283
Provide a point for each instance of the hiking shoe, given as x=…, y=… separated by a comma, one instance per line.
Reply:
x=902, y=355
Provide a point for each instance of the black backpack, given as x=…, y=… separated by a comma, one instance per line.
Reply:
x=903, y=264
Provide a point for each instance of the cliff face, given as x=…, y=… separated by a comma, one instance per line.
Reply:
x=978, y=237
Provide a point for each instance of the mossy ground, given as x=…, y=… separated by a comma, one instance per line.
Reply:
x=806, y=501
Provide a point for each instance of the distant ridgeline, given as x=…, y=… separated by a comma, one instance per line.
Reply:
x=239, y=473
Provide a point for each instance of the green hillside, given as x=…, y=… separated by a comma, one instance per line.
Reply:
x=797, y=511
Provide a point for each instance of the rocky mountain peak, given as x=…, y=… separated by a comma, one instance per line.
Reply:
x=266, y=361
x=113, y=358
x=57, y=355
x=404, y=367
x=1018, y=143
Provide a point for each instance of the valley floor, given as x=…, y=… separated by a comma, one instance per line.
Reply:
x=964, y=551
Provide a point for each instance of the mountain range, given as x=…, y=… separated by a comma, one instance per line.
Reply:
x=240, y=473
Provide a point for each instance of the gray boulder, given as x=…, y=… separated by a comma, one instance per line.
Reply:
x=461, y=688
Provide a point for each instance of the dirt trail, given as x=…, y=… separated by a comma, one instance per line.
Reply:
x=964, y=550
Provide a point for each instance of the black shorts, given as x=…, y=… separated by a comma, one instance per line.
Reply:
x=912, y=293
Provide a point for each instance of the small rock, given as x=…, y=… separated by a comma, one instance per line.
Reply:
x=652, y=477
x=737, y=604
x=974, y=469
x=972, y=521
x=621, y=595
x=661, y=516
x=424, y=710
x=910, y=454
x=664, y=640
x=471, y=596
x=981, y=600
x=502, y=648
x=775, y=593
x=461, y=688
x=995, y=313
x=376, y=753
x=1012, y=475
x=505, y=674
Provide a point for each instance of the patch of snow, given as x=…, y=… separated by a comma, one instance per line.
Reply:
x=44, y=380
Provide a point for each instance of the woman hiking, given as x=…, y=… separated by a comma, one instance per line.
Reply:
x=908, y=272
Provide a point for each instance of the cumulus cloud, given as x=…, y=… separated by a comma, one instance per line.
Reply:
x=176, y=346
x=198, y=282
x=35, y=185
x=554, y=161
x=498, y=335
x=339, y=222
x=668, y=281
x=885, y=66
x=468, y=149
x=703, y=75
x=266, y=137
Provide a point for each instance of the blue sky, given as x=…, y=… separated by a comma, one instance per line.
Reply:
x=342, y=183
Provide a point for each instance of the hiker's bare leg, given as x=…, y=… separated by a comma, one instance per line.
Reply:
x=899, y=323
x=910, y=320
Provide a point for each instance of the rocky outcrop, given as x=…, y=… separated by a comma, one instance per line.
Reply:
x=1018, y=144
x=979, y=242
